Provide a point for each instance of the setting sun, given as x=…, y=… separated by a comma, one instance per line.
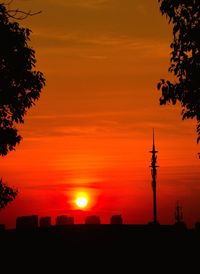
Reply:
x=81, y=201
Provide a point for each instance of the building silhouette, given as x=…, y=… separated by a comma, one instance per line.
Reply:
x=70, y=220
x=27, y=222
x=64, y=220
x=45, y=221
x=95, y=220
x=116, y=220
x=61, y=220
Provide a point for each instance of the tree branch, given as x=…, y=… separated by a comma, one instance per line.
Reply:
x=16, y=13
x=8, y=3
x=21, y=15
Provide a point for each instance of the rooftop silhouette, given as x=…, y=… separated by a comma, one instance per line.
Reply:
x=27, y=222
x=95, y=220
x=45, y=221
x=64, y=220
x=116, y=219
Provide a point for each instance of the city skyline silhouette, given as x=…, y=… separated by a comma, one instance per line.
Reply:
x=34, y=221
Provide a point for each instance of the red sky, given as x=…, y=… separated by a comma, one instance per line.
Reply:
x=91, y=130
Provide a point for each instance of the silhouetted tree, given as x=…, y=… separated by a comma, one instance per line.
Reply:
x=184, y=15
x=7, y=194
x=20, y=83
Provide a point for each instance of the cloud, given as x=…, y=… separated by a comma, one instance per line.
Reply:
x=83, y=3
x=128, y=17
x=101, y=47
x=125, y=124
x=65, y=186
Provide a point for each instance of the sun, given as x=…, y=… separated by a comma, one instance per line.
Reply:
x=81, y=201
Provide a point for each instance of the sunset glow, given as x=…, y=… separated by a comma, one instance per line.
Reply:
x=81, y=202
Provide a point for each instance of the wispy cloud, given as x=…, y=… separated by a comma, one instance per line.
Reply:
x=83, y=3
x=65, y=186
x=101, y=46
x=104, y=125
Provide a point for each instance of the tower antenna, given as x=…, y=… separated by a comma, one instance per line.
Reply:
x=154, y=175
x=178, y=214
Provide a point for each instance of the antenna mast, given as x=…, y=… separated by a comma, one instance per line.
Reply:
x=154, y=175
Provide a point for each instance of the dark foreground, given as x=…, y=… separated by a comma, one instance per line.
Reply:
x=94, y=246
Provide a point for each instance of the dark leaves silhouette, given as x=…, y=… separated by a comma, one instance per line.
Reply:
x=185, y=58
x=7, y=194
x=20, y=83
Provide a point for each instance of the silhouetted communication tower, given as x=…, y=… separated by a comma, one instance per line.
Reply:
x=178, y=214
x=154, y=175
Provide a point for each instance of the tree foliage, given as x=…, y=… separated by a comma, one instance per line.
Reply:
x=7, y=194
x=20, y=83
x=184, y=15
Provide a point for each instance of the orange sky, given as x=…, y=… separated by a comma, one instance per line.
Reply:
x=91, y=130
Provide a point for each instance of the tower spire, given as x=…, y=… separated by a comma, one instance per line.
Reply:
x=154, y=175
x=178, y=214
